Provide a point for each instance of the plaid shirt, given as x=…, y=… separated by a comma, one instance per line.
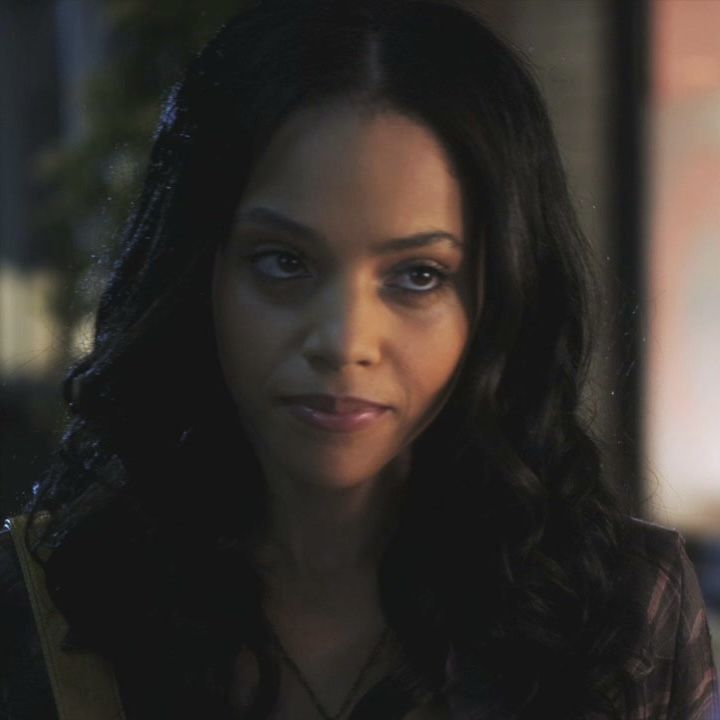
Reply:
x=673, y=666
x=677, y=680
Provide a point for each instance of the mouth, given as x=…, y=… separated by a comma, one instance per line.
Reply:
x=348, y=416
x=335, y=404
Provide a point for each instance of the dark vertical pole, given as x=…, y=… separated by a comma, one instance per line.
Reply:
x=630, y=71
x=29, y=121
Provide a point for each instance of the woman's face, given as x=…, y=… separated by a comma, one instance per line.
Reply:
x=332, y=283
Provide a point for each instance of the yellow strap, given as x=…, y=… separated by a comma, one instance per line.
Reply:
x=84, y=684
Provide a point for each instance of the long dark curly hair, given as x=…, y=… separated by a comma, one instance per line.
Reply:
x=510, y=539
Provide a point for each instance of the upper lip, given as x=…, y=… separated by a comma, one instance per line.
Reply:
x=340, y=404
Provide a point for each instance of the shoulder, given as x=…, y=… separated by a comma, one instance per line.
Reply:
x=12, y=586
x=25, y=690
x=673, y=660
x=660, y=577
x=657, y=563
x=663, y=580
x=655, y=544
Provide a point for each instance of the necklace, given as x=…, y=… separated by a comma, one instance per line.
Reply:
x=358, y=680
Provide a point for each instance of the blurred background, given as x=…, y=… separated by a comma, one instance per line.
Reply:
x=634, y=91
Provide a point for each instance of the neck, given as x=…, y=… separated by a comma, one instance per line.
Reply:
x=319, y=530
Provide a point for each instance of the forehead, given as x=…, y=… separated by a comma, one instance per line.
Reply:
x=334, y=164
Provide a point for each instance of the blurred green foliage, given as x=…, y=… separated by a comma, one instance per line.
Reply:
x=92, y=181
x=85, y=186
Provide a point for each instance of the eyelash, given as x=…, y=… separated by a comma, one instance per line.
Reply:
x=442, y=276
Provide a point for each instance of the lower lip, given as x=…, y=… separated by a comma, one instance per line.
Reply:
x=336, y=422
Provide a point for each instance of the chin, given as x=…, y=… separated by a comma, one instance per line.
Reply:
x=339, y=480
x=334, y=476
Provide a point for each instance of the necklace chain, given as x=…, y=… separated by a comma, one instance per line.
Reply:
x=351, y=693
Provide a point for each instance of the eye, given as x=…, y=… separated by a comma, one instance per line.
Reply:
x=269, y=262
x=278, y=265
x=426, y=278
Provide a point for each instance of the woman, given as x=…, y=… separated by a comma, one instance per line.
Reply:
x=325, y=458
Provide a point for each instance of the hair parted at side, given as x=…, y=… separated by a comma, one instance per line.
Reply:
x=509, y=543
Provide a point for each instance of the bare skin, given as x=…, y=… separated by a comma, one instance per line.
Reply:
x=330, y=316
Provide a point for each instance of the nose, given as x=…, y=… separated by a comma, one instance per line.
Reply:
x=344, y=325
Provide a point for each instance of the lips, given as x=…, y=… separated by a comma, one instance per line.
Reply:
x=340, y=405
x=335, y=413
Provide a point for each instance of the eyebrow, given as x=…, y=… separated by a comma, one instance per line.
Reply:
x=278, y=221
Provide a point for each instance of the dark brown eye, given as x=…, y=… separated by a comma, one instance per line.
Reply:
x=424, y=278
x=269, y=262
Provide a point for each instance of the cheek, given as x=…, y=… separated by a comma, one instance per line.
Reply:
x=238, y=323
x=432, y=353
